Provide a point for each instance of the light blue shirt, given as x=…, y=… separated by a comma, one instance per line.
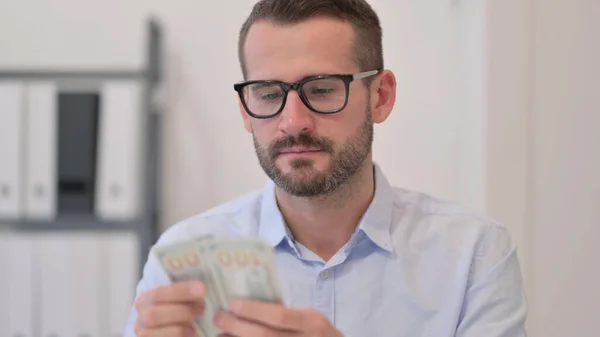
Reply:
x=414, y=267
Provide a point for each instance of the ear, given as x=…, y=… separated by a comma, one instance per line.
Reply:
x=383, y=95
x=245, y=116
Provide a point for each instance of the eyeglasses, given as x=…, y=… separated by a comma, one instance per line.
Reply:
x=324, y=94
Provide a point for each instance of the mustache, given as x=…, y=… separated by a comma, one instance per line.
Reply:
x=304, y=139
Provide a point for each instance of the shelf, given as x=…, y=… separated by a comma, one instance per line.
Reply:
x=80, y=222
x=145, y=227
x=73, y=75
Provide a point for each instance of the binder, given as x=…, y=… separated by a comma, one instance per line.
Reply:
x=120, y=148
x=11, y=143
x=57, y=310
x=4, y=285
x=22, y=285
x=41, y=120
x=122, y=251
x=77, y=126
x=86, y=267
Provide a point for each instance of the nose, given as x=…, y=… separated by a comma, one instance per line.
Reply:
x=296, y=118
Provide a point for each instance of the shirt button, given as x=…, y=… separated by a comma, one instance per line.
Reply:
x=324, y=274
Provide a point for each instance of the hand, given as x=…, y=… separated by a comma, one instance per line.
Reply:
x=170, y=310
x=249, y=318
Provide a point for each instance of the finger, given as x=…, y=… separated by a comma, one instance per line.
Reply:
x=235, y=326
x=271, y=314
x=188, y=291
x=169, y=314
x=171, y=331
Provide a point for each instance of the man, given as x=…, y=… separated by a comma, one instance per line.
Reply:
x=356, y=256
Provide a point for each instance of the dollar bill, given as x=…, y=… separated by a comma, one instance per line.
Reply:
x=242, y=268
x=230, y=268
x=182, y=262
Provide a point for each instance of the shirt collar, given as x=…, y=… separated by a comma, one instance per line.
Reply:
x=375, y=223
x=272, y=227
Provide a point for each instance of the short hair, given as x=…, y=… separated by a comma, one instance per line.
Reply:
x=368, y=50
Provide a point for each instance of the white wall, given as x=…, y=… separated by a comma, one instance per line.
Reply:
x=508, y=106
x=422, y=145
x=543, y=154
x=566, y=162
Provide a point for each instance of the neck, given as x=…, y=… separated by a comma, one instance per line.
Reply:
x=324, y=224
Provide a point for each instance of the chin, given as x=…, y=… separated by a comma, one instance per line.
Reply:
x=303, y=165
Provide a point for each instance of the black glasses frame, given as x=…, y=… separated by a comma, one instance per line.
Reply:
x=286, y=87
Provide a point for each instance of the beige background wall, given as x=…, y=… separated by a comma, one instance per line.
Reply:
x=544, y=154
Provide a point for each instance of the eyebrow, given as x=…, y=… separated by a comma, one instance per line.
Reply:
x=263, y=85
x=318, y=74
x=303, y=78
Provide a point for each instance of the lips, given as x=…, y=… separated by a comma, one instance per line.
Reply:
x=299, y=149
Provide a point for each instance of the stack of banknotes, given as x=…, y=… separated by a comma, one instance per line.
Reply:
x=230, y=268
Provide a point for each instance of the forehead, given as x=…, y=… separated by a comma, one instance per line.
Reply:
x=292, y=51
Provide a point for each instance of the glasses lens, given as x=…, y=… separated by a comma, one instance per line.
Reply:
x=326, y=94
x=263, y=99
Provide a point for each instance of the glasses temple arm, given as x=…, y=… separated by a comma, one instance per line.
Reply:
x=365, y=74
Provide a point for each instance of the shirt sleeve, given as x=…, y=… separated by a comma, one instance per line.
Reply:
x=495, y=304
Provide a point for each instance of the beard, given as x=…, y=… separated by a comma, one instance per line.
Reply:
x=304, y=180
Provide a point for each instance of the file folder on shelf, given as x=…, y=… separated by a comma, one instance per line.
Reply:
x=120, y=148
x=4, y=284
x=57, y=310
x=77, y=137
x=41, y=132
x=11, y=148
x=23, y=300
x=88, y=270
x=123, y=264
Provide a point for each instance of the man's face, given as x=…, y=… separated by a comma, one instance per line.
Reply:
x=303, y=152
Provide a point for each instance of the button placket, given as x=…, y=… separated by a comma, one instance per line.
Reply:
x=324, y=293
